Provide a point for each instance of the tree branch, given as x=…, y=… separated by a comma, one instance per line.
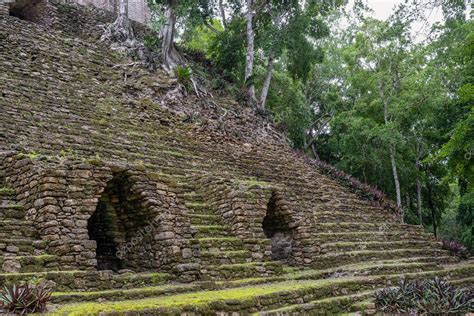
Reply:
x=212, y=28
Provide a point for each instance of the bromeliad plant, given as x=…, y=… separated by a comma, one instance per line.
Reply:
x=456, y=249
x=425, y=297
x=24, y=299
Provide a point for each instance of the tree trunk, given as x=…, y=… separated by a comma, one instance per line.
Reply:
x=250, y=54
x=112, y=4
x=433, y=210
x=392, y=155
x=121, y=30
x=124, y=8
x=266, y=84
x=222, y=9
x=395, y=178
x=315, y=152
x=171, y=57
x=418, y=183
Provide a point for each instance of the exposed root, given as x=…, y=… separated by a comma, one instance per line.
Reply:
x=199, y=89
x=119, y=31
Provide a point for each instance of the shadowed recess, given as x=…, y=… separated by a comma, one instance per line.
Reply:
x=276, y=228
x=118, y=226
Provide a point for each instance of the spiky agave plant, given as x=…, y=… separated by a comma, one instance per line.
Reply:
x=425, y=297
x=24, y=299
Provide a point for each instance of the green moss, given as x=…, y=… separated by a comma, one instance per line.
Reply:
x=95, y=161
x=31, y=155
x=196, y=205
x=121, y=292
x=197, y=299
x=254, y=182
x=223, y=239
x=15, y=206
x=6, y=190
x=173, y=153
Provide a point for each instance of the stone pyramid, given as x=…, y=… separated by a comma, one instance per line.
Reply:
x=118, y=194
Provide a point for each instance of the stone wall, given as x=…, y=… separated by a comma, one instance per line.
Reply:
x=61, y=195
x=245, y=205
x=40, y=11
x=137, y=9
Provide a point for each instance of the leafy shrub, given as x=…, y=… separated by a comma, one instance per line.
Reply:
x=420, y=297
x=24, y=299
x=151, y=42
x=183, y=73
x=456, y=249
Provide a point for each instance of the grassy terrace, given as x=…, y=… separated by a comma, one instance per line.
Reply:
x=198, y=300
x=245, y=294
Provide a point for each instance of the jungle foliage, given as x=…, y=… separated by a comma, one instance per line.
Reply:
x=377, y=99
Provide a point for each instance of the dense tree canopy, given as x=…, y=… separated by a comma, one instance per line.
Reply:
x=372, y=97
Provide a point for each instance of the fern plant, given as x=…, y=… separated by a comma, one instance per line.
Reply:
x=151, y=42
x=183, y=73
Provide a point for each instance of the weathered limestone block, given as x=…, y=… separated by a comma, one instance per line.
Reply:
x=4, y=8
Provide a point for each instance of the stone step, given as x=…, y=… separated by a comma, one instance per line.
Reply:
x=219, y=244
x=332, y=259
x=199, y=208
x=369, y=268
x=10, y=211
x=336, y=305
x=250, y=298
x=241, y=270
x=371, y=236
x=225, y=257
x=17, y=228
x=125, y=294
x=204, y=231
x=6, y=193
x=375, y=245
x=338, y=227
x=205, y=219
x=29, y=263
x=464, y=282
x=89, y=280
x=22, y=246
x=333, y=216
x=193, y=197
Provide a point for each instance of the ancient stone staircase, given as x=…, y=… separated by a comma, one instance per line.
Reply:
x=80, y=112
x=223, y=256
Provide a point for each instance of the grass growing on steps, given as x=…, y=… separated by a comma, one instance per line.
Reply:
x=198, y=299
x=125, y=294
x=248, y=297
x=331, y=305
x=6, y=191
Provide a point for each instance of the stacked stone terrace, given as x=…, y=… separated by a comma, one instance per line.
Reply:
x=110, y=191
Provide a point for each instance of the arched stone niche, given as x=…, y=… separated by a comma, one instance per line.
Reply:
x=105, y=216
x=249, y=207
x=123, y=229
x=279, y=227
x=138, y=224
x=36, y=11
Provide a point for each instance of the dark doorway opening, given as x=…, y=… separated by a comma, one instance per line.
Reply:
x=122, y=229
x=103, y=228
x=28, y=10
x=275, y=227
